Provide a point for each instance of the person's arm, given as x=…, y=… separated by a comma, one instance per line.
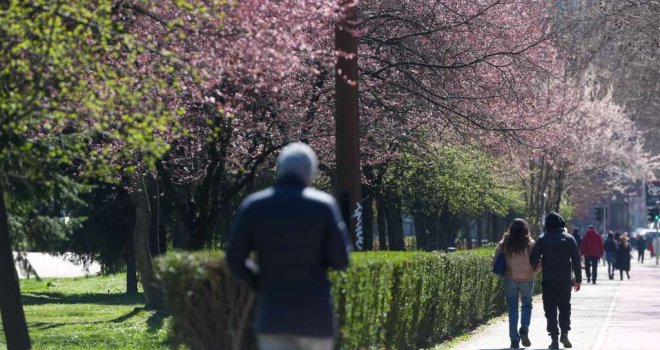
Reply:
x=338, y=244
x=240, y=247
x=537, y=252
x=575, y=262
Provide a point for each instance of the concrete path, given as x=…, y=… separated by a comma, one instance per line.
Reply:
x=608, y=315
x=47, y=265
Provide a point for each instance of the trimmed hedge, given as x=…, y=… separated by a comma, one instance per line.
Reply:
x=391, y=300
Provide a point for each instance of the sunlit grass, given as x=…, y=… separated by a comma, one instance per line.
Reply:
x=89, y=313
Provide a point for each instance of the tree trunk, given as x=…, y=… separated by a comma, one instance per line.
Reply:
x=141, y=235
x=382, y=226
x=11, y=306
x=394, y=226
x=421, y=234
x=131, y=272
x=368, y=221
x=433, y=234
x=180, y=240
x=480, y=233
x=495, y=228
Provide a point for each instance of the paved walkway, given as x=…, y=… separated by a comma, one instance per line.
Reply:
x=609, y=315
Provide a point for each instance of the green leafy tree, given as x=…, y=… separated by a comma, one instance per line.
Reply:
x=60, y=91
x=443, y=184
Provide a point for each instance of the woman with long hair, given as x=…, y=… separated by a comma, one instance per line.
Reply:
x=516, y=244
x=622, y=260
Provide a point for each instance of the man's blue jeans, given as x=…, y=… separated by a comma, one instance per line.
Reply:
x=513, y=290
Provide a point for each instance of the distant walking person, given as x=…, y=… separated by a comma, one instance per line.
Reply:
x=518, y=280
x=592, y=250
x=641, y=248
x=655, y=243
x=297, y=233
x=623, y=257
x=576, y=235
x=610, y=254
x=557, y=252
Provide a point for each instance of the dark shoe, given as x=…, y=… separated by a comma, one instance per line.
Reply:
x=554, y=344
x=515, y=345
x=594, y=282
x=564, y=340
x=588, y=280
x=524, y=338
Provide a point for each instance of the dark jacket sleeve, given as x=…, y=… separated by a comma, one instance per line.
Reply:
x=337, y=243
x=537, y=252
x=240, y=247
x=575, y=260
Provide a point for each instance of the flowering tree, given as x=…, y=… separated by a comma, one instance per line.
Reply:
x=254, y=73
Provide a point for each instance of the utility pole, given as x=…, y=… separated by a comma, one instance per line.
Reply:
x=347, y=138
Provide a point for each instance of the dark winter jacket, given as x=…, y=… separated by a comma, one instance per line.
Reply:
x=297, y=233
x=622, y=261
x=577, y=238
x=641, y=243
x=558, y=254
x=592, y=244
x=609, y=245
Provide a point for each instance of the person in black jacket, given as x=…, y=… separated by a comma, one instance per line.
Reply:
x=297, y=233
x=623, y=257
x=610, y=254
x=641, y=248
x=557, y=252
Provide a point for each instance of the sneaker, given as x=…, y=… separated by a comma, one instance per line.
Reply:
x=554, y=344
x=564, y=340
x=525, y=340
x=514, y=344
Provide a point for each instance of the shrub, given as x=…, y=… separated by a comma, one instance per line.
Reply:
x=391, y=300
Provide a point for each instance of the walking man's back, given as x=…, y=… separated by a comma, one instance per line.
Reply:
x=558, y=253
x=297, y=233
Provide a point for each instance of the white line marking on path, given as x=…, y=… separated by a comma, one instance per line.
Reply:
x=600, y=338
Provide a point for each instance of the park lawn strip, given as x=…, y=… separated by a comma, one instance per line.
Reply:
x=90, y=313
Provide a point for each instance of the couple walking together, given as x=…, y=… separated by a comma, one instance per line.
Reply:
x=556, y=253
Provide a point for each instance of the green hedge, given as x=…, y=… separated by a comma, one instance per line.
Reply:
x=391, y=300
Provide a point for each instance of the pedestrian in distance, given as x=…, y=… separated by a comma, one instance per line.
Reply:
x=641, y=248
x=517, y=244
x=592, y=250
x=623, y=257
x=557, y=253
x=297, y=234
x=576, y=235
x=655, y=243
x=610, y=254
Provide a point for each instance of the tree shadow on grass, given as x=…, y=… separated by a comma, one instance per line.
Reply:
x=42, y=298
x=154, y=322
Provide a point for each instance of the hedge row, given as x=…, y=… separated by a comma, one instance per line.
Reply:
x=384, y=300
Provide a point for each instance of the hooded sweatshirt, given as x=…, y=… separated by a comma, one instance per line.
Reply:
x=557, y=252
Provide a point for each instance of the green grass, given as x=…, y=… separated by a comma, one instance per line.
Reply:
x=89, y=313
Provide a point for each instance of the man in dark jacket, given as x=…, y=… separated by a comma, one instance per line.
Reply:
x=297, y=233
x=592, y=249
x=557, y=252
x=641, y=248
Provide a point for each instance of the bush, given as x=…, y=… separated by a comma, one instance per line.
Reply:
x=391, y=300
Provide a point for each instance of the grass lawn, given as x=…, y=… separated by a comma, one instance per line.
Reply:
x=89, y=313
